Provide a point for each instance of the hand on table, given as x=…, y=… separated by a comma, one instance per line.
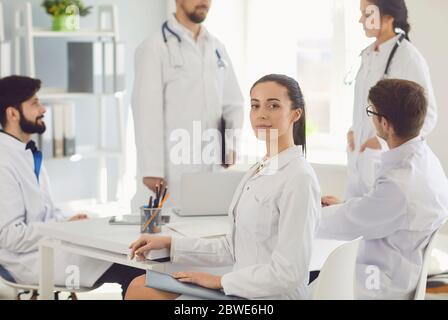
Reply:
x=148, y=242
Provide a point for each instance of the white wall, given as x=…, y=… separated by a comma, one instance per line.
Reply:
x=429, y=25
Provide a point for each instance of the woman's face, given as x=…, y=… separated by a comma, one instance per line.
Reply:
x=370, y=19
x=271, y=115
x=374, y=24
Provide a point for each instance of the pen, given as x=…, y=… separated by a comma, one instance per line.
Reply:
x=159, y=199
x=164, y=194
x=155, y=213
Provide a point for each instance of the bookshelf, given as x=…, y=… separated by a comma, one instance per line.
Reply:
x=5, y=48
x=24, y=36
x=2, y=27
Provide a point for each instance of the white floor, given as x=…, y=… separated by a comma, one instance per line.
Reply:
x=105, y=292
x=112, y=292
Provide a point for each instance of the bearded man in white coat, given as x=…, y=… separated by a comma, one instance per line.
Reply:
x=407, y=204
x=25, y=196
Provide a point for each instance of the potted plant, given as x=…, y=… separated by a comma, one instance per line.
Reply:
x=63, y=10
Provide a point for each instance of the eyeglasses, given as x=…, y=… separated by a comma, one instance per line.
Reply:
x=371, y=113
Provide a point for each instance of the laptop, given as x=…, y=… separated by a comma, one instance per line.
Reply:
x=207, y=193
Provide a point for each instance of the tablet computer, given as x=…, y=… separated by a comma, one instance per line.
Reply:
x=129, y=219
x=166, y=282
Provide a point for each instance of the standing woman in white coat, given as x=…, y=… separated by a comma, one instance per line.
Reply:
x=274, y=214
x=392, y=55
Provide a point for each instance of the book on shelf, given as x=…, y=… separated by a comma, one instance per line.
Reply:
x=58, y=130
x=85, y=64
x=96, y=67
x=59, y=139
x=69, y=130
x=46, y=139
x=114, y=67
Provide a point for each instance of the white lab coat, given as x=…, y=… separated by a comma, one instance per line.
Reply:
x=275, y=215
x=408, y=202
x=408, y=64
x=26, y=204
x=176, y=84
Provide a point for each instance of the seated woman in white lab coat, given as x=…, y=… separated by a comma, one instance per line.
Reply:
x=407, y=203
x=275, y=212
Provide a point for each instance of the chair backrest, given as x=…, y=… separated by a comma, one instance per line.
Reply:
x=420, y=291
x=5, y=275
x=336, y=279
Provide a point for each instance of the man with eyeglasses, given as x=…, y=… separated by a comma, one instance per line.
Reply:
x=407, y=204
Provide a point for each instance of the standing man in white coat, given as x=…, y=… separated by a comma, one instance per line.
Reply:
x=184, y=84
x=407, y=204
x=392, y=56
x=25, y=196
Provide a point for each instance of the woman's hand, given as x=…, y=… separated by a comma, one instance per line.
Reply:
x=147, y=243
x=151, y=183
x=351, y=140
x=78, y=217
x=328, y=201
x=372, y=143
x=205, y=280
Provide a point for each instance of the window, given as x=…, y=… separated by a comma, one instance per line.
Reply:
x=316, y=42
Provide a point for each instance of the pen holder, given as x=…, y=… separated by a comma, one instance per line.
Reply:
x=150, y=220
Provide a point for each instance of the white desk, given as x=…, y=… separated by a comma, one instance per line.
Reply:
x=96, y=238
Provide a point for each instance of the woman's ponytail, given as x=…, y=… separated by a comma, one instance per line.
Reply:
x=398, y=10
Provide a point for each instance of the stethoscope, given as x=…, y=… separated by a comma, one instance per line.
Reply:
x=176, y=57
x=350, y=77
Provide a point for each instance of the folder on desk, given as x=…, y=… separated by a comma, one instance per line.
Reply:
x=166, y=282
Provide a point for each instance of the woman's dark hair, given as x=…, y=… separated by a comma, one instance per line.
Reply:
x=15, y=90
x=396, y=9
x=298, y=102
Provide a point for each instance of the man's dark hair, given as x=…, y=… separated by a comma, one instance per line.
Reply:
x=403, y=103
x=14, y=91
